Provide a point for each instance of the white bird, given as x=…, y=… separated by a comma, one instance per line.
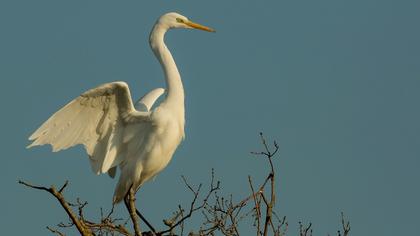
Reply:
x=115, y=132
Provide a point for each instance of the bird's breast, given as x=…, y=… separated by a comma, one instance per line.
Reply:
x=165, y=138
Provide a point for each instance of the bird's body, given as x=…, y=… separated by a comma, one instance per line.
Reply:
x=104, y=119
x=150, y=151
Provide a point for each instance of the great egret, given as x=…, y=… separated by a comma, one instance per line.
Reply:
x=114, y=133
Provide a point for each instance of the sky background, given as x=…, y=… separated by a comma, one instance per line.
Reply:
x=336, y=83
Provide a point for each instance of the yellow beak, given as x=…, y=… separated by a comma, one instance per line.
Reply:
x=198, y=26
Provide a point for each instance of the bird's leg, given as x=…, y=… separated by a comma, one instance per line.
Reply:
x=129, y=203
x=146, y=222
x=131, y=195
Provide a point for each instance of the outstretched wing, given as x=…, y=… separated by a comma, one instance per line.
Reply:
x=95, y=119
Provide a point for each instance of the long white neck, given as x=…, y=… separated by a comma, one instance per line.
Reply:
x=175, y=90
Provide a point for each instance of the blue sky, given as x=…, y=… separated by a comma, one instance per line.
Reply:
x=336, y=83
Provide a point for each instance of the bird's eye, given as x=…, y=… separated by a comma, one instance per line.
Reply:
x=179, y=20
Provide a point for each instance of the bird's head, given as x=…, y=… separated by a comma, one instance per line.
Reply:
x=175, y=20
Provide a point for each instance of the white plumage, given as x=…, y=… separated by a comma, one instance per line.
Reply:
x=114, y=131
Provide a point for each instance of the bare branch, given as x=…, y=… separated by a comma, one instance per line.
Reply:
x=63, y=187
x=345, y=226
x=193, y=208
x=54, y=231
x=105, y=226
x=303, y=231
x=257, y=206
x=83, y=230
x=221, y=214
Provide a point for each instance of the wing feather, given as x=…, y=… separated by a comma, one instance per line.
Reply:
x=96, y=119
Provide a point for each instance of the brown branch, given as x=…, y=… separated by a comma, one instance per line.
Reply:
x=345, y=225
x=224, y=215
x=63, y=187
x=54, y=231
x=303, y=231
x=83, y=230
x=193, y=208
x=257, y=207
x=269, y=204
x=234, y=223
x=281, y=223
x=108, y=226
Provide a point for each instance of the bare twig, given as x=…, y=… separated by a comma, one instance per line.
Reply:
x=83, y=230
x=109, y=227
x=54, y=231
x=221, y=214
x=345, y=226
x=304, y=230
x=105, y=226
x=257, y=206
x=271, y=178
x=193, y=207
x=224, y=214
x=196, y=192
